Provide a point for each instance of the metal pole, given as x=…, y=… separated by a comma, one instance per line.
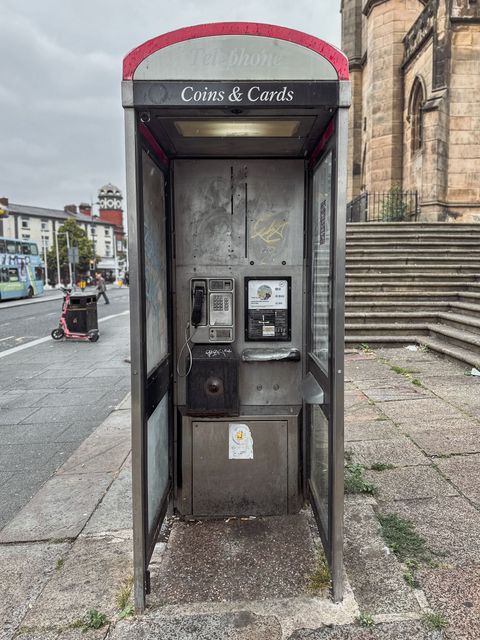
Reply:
x=115, y=256
x=59, y=282
x=46, y=261
x=68, y=256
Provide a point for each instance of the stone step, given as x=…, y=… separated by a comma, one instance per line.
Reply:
x=460, y=354
x=419, y=258
x=365, y=297
x=425, y=306
x=416, y=226
x=462, y=270
x=375, y=279
x=456, y=337
x=384, y=318
x=446, y=236
x=418, y=251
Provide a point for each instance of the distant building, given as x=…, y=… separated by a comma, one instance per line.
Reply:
x=106, y=231
x=415, y=116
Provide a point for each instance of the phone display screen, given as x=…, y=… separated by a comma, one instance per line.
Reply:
x=267, y=309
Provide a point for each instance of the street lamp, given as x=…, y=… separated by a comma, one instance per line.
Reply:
x=93, y=230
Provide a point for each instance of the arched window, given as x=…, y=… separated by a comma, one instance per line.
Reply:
x=417, y=98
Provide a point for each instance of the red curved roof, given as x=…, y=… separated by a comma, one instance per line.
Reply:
x=330, y=53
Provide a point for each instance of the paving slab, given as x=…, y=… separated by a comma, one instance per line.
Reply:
x=24, y=570
x=409, y=483
x=59, y=509
x=456, y=593
x=451, y=526
x=68, y=414
x=363, y=413
x=14, y=416
x=398, y=451
x=62, y=634
x=374, y=430
x=394, y=391
x=99, y=453
x=32, y=433
x=126, y=403
x=235, y=560
x=26, y=456
x=407, y=630
x=446, y=441
x=90, y=578
x=375, y=574
x=239, y=625
x=421, y=412
x=464, y=473
x=110, y=371
x=115, y=511
x=42, y=383
x=20, y=398
x=354, y=397
x=71, y=398
x=371, y=369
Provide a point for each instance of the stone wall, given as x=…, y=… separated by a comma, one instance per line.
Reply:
x=387, y=24
x=463, y=195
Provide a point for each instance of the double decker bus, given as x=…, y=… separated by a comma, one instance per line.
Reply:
x=21, y=269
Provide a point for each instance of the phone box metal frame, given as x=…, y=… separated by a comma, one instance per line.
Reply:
x=236, y=145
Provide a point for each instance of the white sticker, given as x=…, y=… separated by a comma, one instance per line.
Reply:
x=268, y=330
x=267, y=294
x=240, y=442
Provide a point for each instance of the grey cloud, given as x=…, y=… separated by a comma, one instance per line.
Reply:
x=61, y=124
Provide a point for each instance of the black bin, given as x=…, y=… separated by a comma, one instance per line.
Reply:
x=82, y=313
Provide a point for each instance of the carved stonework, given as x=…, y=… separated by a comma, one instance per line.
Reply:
x=421, y=30
x=465, y=10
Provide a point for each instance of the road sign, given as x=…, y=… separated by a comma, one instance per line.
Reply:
x=73, y=255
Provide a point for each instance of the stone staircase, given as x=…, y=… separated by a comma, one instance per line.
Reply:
x=415, y=283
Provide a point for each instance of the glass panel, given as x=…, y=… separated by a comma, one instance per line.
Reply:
x=155, y=262
x=319, y=463
x=157, y=459
x=321, y=219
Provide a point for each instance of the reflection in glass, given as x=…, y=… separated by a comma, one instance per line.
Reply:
x=319, y=463
x=155, y=262
x=157, y=459
x=321, y=225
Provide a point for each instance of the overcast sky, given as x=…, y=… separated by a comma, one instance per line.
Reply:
x=61, y=120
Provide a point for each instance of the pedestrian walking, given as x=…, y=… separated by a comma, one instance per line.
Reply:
x=101, y=287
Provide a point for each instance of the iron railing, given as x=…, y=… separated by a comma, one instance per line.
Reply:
x=390, y=206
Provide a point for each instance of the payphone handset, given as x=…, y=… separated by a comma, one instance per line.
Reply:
x=212, y=310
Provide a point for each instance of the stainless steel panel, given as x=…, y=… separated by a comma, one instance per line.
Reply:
x=223, y=487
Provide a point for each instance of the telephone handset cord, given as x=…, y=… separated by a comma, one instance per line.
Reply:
x=185, y=344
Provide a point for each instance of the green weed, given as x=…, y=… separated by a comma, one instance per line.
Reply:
x=95, y=620
x=434, y=620
x=320, y=579
x=381, y=466
x=365, y=620
x=365, y=348
x=401, y=537
x=60, y=563
x=355, y=482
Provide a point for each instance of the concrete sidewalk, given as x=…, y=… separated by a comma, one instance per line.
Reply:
x=412, y=469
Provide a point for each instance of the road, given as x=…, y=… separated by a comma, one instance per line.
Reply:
x=23, y=322
x=54, y=394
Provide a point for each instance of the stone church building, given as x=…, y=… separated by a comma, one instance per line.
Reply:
x=415, y=116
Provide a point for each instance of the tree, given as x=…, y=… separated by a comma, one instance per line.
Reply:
x=78, y=238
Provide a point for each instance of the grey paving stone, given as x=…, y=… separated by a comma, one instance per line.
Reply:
x=98, y=453
x=26, y=457
x=111, y=371
x=78, y=431
x=375, y=575
x=363, y=370
x=363, y=413
x=354, y=397
x=75, y=371
x=31, y=433
x=446, y=441
x=397, y=451
x=115, y=511
x=4, y=476
x=67, y=414
x=464, y=472
x=24, y=570
x=215, y=561
x=409, y=483
x=405, y=630
x=59, y=509
x=126, y=403
x=91, y=383
x=395, y=391
x=451, y=526
x=420, y=412
x=374, y=430
x=18, y=490
x=93, y=573
x=41, y=382
x=71, y=398
x=456, y=593
x=14, y=416
x=15, y=399
x=241, y=625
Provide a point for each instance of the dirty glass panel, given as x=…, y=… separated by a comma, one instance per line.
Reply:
x=319, y=475
x=321, y=225
x=155, y=262
x=157, y=459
